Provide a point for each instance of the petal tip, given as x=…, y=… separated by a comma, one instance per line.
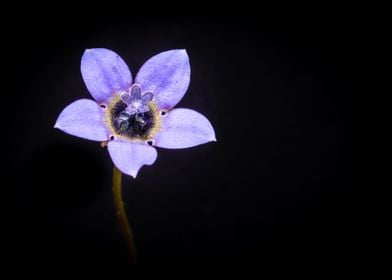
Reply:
x=178, y=52
x=212, y=137
x=87, y=51
x=90, y=50
x=133, y=174
x=58, y=125
x=182, y=52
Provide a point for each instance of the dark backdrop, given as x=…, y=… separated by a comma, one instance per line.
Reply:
x=275, y=191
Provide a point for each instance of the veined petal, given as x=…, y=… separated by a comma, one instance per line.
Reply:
x=167, y=76
x=183, y=128
x=130, y=157
x=104, y=72
x=83, y=118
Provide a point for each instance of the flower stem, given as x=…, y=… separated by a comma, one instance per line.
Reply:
x=122, y=216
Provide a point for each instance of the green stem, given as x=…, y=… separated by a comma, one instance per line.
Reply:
x=122, y=216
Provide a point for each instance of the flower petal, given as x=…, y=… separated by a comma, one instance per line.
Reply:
x=183, y=128
x=130, y=157
x=167, y=76
x=104, y=72
x=83, y=118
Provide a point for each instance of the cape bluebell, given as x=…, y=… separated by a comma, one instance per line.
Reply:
x=136, y=116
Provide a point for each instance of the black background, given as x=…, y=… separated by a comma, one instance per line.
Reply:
x=274, y=193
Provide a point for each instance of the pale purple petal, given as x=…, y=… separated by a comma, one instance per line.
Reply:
x=183, y=128
x=167, y=76
x=130, y=157
x=104, y=72
x=83, y=118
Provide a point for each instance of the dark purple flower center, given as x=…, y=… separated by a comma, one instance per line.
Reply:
x=132, y=125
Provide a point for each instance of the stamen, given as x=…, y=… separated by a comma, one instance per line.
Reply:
x=147, y=97
x=144, y=108
x=136, y=91
x=126, y=97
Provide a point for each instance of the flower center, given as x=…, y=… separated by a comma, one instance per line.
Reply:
x=133, y=115
x=132, y=125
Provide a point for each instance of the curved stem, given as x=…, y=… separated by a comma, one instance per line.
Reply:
x=122, y=216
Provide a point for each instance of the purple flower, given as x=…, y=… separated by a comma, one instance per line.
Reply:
x=133, y=117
